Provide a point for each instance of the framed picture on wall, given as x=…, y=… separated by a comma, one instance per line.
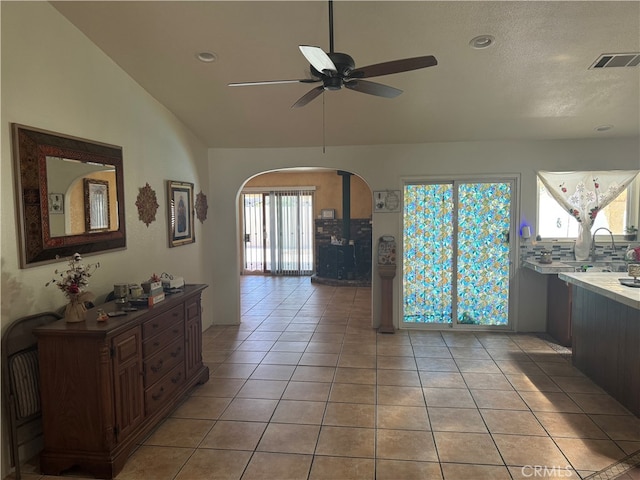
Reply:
x=328, y=213
x=56, y=203
x=180, y=198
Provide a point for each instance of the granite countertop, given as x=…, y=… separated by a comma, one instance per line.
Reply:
x=547, y=268
x=605, y=284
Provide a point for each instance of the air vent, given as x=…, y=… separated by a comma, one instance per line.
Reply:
x=610, y=60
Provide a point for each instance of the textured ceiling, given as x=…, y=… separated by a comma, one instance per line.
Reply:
x=533, y=83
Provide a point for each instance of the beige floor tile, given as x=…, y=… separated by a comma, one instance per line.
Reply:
x=571, y=425
x=442, y=380
x=365, y=376
x=403, y=350
x=250, y=410
x=529, y=450
x=366, y=349
x=456, y=420
x=396, y=363
x=209, y=408
x=155, y=462
x=590, y=454
x=550, y=402
x=407, y=470
x=477, y=366
x=342, y=468
x=628, y=447
x=320, y=359
x=270, y=466
x=346, y=442
x=456, y=447
x=577, y=385
x=532, y=382
x=486, y=381
x=459, y=471
x=519, y=367
x=289, y=438
x=469, y=353
x=498, y=399
x=563, y=369
x=180, y=432
x=319, y=347
x=207, y=464
x=357, y=361
x=233, y=370
x=272, y=372
x=405, y=445
x=232, y=435
x=262, y=389
x=299, y=411
x=395, y=395
x=220, y=387
x=599, y=404
x=398, y=417
x=353, y=393
x=619, y=427
x=282, y=358
x=313, y=374
x=448, y=397
x=350, y=415
x=314, y=391
x=421, y=351
x=515, y=422
x=289, y=347
x=401, y=378
x=245, y=357
x=434, y=364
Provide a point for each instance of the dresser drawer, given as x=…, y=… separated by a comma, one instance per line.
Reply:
x=157, y=366
x=155, y=344
x=162, y=391
x=162, y=322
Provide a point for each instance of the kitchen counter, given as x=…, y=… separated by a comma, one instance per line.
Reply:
x=605, y=284
x=547, y=268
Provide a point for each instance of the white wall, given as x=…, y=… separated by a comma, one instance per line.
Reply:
x=384, y=167
x=54, y=78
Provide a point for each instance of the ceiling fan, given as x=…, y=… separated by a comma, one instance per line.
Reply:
x=336, y=70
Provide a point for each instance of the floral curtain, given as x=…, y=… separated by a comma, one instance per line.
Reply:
x=584, y=194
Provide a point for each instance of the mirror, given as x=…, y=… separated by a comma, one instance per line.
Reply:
x=70, y=195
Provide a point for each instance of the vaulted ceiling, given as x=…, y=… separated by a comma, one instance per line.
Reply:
x=534, y=82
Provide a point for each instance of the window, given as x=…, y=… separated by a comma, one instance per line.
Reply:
x=555, y=222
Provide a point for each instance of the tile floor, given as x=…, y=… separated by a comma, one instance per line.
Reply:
x=304, y=388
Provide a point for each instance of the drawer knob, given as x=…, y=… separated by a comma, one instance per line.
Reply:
x=177, y=352
x=157, y=367
x=177, y=378
x=157, y=396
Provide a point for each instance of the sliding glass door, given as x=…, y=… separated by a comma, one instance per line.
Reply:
x=457, y=253
x=278, y=232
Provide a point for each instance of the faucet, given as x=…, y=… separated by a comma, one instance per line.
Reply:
x=593, y=242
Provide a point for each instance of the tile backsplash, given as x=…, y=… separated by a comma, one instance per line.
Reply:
x=564, y=250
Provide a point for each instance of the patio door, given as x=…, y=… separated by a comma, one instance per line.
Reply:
x=457, y=253
x=278, y=232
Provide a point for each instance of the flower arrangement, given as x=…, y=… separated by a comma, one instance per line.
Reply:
x=74, y=280
x=632, y=255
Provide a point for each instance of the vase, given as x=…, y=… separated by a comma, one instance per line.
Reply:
x=75, y=310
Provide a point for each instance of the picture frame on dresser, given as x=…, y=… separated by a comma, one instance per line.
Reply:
x=180, y=208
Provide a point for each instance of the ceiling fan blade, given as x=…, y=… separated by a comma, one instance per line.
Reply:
x=318, y=58
x=395, y=66
x=372, y=88
x=273, y=82
x=307, y=97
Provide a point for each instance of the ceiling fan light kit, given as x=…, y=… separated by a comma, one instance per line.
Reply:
x=336, y=70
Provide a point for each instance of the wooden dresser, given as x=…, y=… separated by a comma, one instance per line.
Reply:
x=105, y=385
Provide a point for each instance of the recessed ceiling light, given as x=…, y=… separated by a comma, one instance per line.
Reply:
x=603, y=128
x=206, y=57
x=482, y=41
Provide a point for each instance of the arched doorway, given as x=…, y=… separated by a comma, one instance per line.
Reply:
x=314, y=222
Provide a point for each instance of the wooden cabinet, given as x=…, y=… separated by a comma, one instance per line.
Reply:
x=105, y=385
x=559, y=298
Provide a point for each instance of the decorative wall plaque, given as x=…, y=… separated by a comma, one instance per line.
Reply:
x=201, y=206
x=147, y=204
